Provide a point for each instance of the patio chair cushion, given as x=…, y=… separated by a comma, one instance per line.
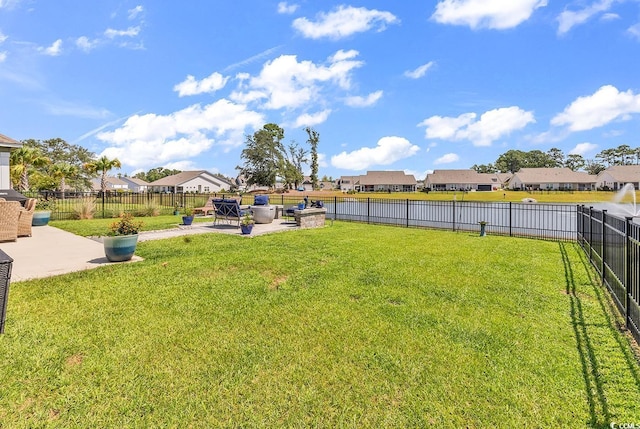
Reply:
x=9, y=215
x=261, y=200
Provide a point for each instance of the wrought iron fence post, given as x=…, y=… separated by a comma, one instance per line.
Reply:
x=368, y=208
x=407, y=212
x=453, y=214
x=510, y=219
x=591, y=234
x=604, y=246
x=627, y=272
x=335, y=207
x=103, y=216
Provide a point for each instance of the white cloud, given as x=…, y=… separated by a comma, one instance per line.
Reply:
x=388, y=151
x=447, y=159
x=420, y=71
x=343, y=22
x=133, y=13
x=85, y=44
x=583, y=148
x=3, y=37
x=492, y=125
x=3, y=56
x=54, y=50
x=309, y=120
x=79, y=110
x=369, y=100
x=190, y=86
x=286, y=8
x=129, y=32
x=419, y=175
x=605, y=105
x=150, y=140
x=494, y=14
x=569, y=19
x=287, y=83
x=634, y=30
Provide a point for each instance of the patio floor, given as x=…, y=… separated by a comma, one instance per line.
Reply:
x=51, y=251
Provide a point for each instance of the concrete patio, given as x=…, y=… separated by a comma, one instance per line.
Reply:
x=51, y=251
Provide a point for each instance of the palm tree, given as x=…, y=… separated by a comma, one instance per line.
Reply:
x=22, y=160
x=61, y=171
x=102, y=164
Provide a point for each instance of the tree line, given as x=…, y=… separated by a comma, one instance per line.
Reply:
x=513, y=160
x=55, y=164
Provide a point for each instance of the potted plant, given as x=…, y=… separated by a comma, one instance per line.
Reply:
x=42, y=214
x=120, y=244
x=176, y=209
x=246, y=223
x=187, y=218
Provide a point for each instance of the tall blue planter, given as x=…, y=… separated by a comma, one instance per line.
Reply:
x=120, y=247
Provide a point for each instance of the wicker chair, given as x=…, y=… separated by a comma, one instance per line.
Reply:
x=9, y=214
x=26, y=217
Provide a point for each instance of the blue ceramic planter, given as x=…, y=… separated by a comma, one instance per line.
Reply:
x=187, y=220
x=40, y=218
x=120, y=248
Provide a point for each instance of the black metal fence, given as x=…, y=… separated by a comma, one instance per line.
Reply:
x=613, y=247
x=543, y=221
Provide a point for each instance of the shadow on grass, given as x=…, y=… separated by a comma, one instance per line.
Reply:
x=594, y=389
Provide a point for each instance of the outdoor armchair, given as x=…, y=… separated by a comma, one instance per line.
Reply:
x=9, y=214
x=26, y=218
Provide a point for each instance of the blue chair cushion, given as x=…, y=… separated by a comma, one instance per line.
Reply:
x=261, y=200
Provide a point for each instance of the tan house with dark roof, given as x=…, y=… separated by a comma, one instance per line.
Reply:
x=379, y=181
x=7, y=144
x=464, y=180
x=563, y=179
x=616, y=177
x=199, y=181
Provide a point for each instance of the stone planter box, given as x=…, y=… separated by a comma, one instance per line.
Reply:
x=310, y=218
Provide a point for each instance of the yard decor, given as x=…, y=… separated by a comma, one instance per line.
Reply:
x=187, y=218
x=246, y=224
x=121, y=243
x=42, y=214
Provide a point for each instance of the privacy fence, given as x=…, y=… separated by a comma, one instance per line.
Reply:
x=613, y=246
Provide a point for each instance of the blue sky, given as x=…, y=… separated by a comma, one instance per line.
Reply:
x=406, y=85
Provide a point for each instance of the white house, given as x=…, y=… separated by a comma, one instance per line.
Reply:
x=6, y=145
x=464, y=180
x=616, y=177
x=113, y=184
x=563, y=179
x=135, y=185
x=379, y=181
x=199, y=181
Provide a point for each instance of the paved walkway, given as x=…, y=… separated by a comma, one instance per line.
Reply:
x=51, y=251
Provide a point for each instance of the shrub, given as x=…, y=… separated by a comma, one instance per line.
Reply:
x=85, y=208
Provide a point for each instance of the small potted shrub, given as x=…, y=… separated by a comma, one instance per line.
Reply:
x=120, y=244
x=246, y=223
x=187, y=217
x=42, y=213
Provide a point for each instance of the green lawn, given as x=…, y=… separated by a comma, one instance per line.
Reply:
x=347, y=326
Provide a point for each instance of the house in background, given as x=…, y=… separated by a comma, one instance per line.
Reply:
x=379, y=181
x=7, y=144
x=563, y=179
x=615, y=177
x=464, y=180
x=199, y=181
x=113, y=184
x=135, y=185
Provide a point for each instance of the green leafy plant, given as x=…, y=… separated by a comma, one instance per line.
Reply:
x=247, y=219
x=44, y=204
x=188, y=211
x=125, y=225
